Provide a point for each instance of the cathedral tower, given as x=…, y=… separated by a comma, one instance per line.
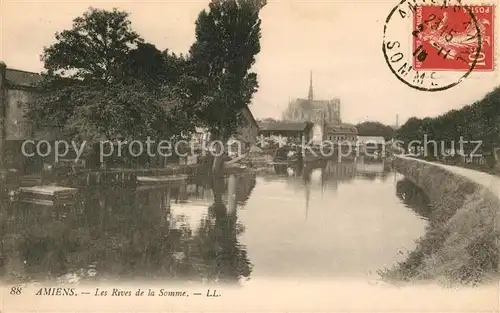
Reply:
x=310, y=96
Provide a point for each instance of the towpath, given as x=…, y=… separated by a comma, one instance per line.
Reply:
x=486, y=180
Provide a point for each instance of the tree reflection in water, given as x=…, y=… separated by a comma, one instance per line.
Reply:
x=118, y=233
x=213, y=252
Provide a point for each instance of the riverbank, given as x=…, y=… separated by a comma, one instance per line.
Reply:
x=461, y=244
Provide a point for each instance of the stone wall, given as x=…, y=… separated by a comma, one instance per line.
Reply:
x=17, y=127
x=16, y=90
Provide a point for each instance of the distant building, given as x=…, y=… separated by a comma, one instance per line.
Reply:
x=342, y=133
x=371, y=143
x=245, y=136
x=294, y=131
x=312, y=110
x=249, y=131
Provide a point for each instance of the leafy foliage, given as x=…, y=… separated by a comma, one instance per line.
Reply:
x=121, y=111
x=103, y=81
x=95, y=48
x=227, y=41
x=375, y=129
x=154, y=67
x=479, y=121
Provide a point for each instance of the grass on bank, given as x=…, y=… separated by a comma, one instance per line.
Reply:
x=461, y=246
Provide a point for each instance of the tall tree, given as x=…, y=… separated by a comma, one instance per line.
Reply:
x=477, y=122
x=488, y=112
x=409, y=131
x=227, y=41
x=375, y=129
x=94, y=48
x=155, y=67
x=103, y=81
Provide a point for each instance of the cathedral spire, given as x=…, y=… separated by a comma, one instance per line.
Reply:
x=310, y=96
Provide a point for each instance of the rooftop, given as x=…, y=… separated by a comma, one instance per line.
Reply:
x=284, y=126
x=249, y=116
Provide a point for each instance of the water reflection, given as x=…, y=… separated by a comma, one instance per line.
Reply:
x=335, y=173
x=111, y=233
x=328, y=218
x=414, y=197
x=215, y=250
x=328, y=223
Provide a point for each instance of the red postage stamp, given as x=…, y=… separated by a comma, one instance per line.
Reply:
x=453, y=38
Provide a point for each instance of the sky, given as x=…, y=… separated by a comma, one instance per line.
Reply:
x=339, y=41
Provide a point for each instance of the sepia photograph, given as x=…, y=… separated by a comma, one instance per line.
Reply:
x=249, y=156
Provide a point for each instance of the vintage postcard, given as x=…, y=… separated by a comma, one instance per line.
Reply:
x=249, y=156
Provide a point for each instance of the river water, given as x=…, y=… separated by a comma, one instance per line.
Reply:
x=339, y=220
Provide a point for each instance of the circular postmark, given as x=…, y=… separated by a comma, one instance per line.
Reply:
x=431, y=46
